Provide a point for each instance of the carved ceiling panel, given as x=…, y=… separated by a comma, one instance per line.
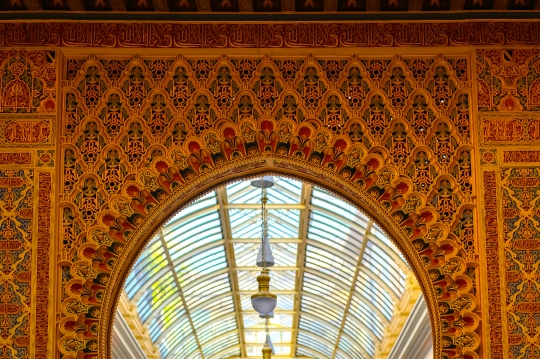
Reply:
x=139, y=132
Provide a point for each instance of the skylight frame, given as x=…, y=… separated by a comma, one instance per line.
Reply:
x=319, y=229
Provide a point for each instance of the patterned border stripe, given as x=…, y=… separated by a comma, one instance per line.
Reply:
x=287, y=35
x=492, y=251
x=44, y=239
x=521, y=156
x=15, y=158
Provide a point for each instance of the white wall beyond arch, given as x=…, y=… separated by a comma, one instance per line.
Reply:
x=415, y=340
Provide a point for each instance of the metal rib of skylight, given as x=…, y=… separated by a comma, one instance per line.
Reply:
x=340, y=238
x=182, y=287
x=243, y=203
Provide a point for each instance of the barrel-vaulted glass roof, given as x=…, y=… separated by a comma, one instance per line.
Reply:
x=337, y=277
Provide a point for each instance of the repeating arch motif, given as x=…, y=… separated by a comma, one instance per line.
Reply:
x=145, y=134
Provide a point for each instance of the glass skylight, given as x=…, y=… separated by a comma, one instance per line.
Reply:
x=337, y=277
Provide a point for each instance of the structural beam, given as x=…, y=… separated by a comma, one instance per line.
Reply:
x=276, y=311
x=381, y=282
x=218, y=354
x=275, y=291
x=258, y=206
x=179, y=287
x=273, y=269
x=271, y=240
x=353, y=285
x=231, y=261
x=300, y=260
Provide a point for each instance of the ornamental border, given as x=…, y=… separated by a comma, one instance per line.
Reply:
x=268, y=35
x=494, y=308
x=44, y=210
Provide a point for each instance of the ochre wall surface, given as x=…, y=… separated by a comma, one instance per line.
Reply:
x=101, y=139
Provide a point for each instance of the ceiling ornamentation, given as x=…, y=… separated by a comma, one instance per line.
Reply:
x=276, y=35
x=274, y=7
x=333, y=122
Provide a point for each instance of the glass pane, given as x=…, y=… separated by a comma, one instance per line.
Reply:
x=330, y=264
x=317, y=343
x=313, y=325
x=247, y=223
x=214, y=347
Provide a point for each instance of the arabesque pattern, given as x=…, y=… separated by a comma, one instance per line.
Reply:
x=508, y=80
x=17, y=188
x=521, y=213
x=27, y=122
x=269, y=35
x=508, y=92
x=139, y=131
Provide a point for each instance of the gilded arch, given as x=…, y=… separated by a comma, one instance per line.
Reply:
x=251, y=169
x=160, y=173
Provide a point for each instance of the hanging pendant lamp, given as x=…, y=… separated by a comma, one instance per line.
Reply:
x=266, y=316
x=269, y=258
x=265, y=182
x=266, y=352
x=269, y=342
x=263, y=301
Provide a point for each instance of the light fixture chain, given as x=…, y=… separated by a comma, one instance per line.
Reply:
x=264, y=226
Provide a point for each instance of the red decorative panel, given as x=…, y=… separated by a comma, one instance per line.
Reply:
x=28, y=90
x=509, y=128
x=25, y=132
x=521, y=156
x=15, y=158
x=28, y=84
x=508, y=80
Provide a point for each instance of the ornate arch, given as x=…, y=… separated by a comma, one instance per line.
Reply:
x=157, y=177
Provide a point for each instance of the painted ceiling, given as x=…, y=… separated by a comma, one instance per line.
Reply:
x=328, y=9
